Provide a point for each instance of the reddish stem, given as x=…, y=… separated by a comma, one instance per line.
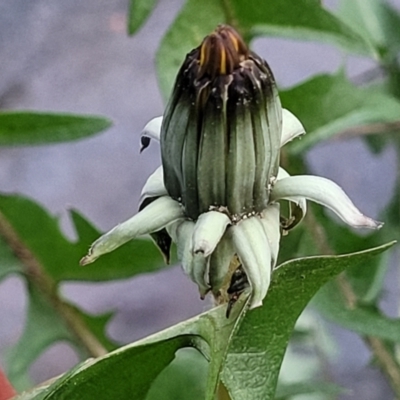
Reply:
x=6, y=389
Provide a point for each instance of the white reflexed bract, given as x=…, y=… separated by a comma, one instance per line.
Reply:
x=206, y=247
x=291, y=127
x=160, y=213
x=325, y=192
x=154, y=186
x=152, y=129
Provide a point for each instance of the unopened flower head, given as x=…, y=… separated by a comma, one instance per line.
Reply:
x=221, y=132
x=217, y=192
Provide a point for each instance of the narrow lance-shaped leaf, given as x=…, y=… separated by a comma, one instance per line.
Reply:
x=21, y=128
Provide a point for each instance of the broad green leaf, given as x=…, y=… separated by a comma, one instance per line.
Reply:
x=21, y=128
x=125, y=374
x=139, y=11
x=375, y=20
x=255, y=355
x=196, y=20
x=60, y=258
x=288, y=391
x=129, y=371
x=300, y=19
x=329, y=104
x=363, y=319
x=185, y=377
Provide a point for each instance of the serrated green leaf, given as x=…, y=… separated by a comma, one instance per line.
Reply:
x=21, y=128
x=300, y=19
x=196, y=20
x=330, y=104
x=43, y=328
x=60, y=258
x=139, y=11
x=255, y=355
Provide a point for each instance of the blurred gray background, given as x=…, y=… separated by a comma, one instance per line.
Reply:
x=75, y=56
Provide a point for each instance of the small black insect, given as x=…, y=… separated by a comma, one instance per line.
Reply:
x=237, y=286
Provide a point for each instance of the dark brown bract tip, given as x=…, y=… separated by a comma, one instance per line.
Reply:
x=221, y=52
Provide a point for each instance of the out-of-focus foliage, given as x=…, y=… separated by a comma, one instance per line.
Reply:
x=247, y=352
x=303, y=19
x=33, y=128
x=139, y=11
x=328, y=104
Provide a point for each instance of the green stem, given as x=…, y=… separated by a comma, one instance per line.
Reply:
x=370, y=129
x=36, y=275
x=231, y=20
x=229, y=14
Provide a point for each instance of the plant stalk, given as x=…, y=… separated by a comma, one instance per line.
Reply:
x=36, y=275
